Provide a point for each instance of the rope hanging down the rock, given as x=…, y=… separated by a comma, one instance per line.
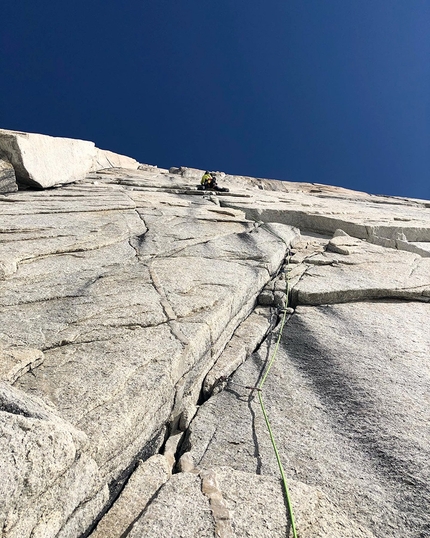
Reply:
x=263, y=409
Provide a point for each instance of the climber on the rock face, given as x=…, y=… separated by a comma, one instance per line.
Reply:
x=209, y=183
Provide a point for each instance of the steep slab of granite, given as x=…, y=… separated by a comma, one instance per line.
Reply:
x=373, y=466
x=123, y=295
x=131, y=306
x=364, y=457
x=347, y=400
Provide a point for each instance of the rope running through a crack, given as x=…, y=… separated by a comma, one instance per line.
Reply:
x=260, y=398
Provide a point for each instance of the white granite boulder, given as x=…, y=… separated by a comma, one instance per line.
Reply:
x=43, y=161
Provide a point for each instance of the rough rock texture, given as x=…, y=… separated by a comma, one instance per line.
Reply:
x=137, y=317
x=7, y=177
x=16, y=361
x=229, y=503
x=348, y=403
x=144, y=483
x=45, y=468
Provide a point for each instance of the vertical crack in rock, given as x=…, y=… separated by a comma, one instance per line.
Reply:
x=141, y=514
x=168, y=310
x=294, y=293
x=211, y=440
x=269, y=339
x=269, y=336
x=257, y=455
x=140, y=490
x=414, y=267
x=140, y=237
x=133, y=247
x=117, y=486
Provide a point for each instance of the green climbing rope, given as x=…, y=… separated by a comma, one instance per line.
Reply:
x=266, y=418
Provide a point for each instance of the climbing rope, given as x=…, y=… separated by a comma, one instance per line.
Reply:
x=263, y=409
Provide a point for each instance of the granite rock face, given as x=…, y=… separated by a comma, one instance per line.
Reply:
x=138, y=315
x=7, y=177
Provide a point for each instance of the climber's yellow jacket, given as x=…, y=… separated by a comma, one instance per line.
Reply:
x=207, y=178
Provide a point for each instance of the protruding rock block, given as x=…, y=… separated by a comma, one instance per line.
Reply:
x=44, y=161
x=46, y=472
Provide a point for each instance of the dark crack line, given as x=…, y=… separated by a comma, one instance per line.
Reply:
x=133, y=247
x=67, y=252
x=142, y=513
x=414, y=267
x=211, y=440
x=122, y=481
x=257, y=454
x=130, y=326
x=165, y=303
x=36, y=301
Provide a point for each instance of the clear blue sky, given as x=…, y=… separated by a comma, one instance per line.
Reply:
x=327, y=91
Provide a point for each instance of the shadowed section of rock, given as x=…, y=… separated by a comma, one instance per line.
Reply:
x=7, y=177
x=348, y=406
